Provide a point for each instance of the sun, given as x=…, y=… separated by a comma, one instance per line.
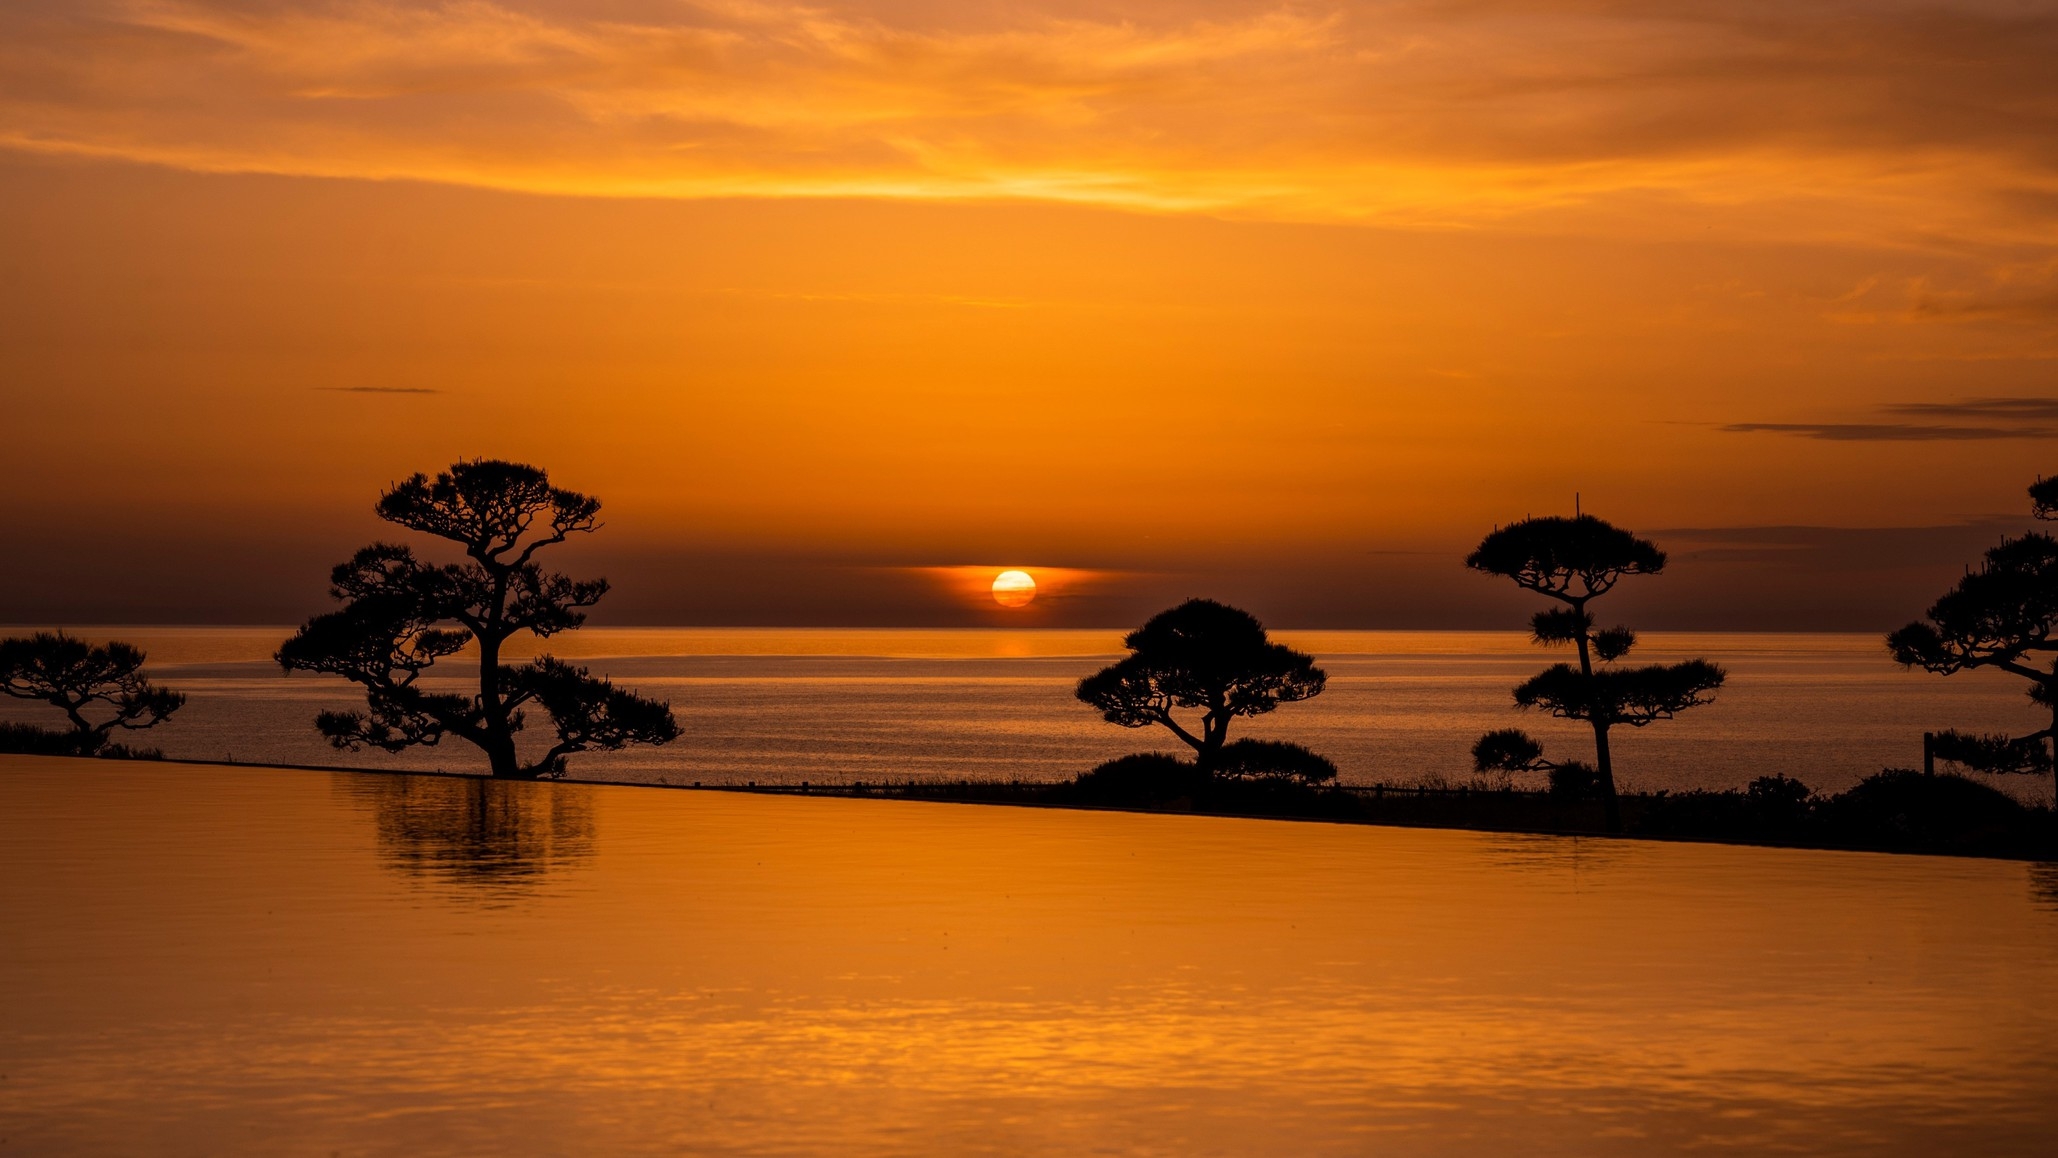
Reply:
x=1014, y=589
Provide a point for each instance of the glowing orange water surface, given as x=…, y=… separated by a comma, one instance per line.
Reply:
x=208, y=959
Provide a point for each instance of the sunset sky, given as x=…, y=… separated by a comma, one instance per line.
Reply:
x=837, y=305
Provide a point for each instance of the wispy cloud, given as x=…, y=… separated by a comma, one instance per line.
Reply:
x=1888, y=431
x=378, y=389
x=2006, y=418
x=2019, y=292
x=2012, y=409
x=1844, y=117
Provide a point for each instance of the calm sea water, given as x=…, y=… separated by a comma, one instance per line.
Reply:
x=833, y=706
x=202, y=960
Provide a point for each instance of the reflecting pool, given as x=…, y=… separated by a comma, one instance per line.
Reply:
x=200, y=960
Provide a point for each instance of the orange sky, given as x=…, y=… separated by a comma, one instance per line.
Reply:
x=1284, y=303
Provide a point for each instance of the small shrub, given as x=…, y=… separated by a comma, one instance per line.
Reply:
x=1903, y=808
x=1779, y=800
x=1573, y=781
x=1507, y=750
x=1273, y=758
x=30, y=740
x=1141, y=779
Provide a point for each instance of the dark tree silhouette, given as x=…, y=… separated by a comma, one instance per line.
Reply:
x=1200, y=655
x=1576, y=561
x=1509, y=750
x=1514, y=750
x=84, y=681
x=2003, y=616
x=2043, y=498
x=401, y=615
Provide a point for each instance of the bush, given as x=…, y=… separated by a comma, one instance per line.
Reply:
x=1142, y=779
x=30, y=740
x=1273, y=758
x=1779, y=801
x=1507, y=750
x=1573, y=781
x=1902, y=808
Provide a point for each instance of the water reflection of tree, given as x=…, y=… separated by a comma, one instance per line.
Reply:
x=2043, y=883
x=476, y=831
x=1566, y=854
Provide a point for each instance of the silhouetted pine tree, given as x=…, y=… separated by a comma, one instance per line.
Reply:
x=1575, y=561
x=1208, y=656
x=401, y=615
x=2003, y=616
x=82, y=681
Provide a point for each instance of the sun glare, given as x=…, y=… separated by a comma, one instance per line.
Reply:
x=1014, y=588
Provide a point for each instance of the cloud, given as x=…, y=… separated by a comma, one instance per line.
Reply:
x=1844, y=118
x=379, y=389
x=2009, y=418
x=2023, y=293
x=2029, y=409
x=1888, y=431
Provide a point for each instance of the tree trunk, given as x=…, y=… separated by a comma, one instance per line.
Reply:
x=1604, y=768
x=2054, y=757
x=1214, y=730
x=499, y=741
x=79, y=722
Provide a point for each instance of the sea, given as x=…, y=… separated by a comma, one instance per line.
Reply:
x=836, y=706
